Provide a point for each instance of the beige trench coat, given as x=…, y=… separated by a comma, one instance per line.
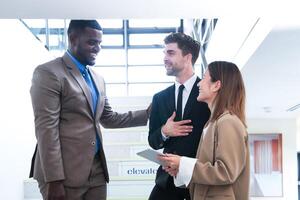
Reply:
x=222, y=171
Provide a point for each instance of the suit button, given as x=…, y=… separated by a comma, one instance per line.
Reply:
x=161, y=145
x=93, y=143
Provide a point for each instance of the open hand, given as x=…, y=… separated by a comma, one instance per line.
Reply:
x=175, y=129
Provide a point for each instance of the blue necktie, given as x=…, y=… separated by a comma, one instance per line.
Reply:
x=94, y=93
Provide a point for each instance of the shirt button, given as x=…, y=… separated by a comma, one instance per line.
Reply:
x=93, y=143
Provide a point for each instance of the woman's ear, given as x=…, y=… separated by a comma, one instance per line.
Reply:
x=217, y=86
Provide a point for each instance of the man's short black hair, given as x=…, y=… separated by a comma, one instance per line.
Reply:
x=186, y=43
x=79, y=25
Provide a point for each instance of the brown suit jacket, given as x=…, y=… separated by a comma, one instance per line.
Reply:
x=223, y=169
x=65, y=125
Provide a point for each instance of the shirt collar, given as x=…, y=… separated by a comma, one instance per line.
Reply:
x=80, y=66
x=188, y=84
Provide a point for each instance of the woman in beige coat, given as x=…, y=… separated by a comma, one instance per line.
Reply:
x=221, y=168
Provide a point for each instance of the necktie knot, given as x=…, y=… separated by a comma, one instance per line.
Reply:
x=85, y=72
x=181, y=87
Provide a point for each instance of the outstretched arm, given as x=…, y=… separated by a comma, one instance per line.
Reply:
x=111, y=119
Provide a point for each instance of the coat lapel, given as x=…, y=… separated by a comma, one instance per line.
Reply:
x=74, y=71
x=191, y=100
x=171, y=99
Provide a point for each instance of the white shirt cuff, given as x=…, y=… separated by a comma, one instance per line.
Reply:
x=185, y=173
x=164, y=137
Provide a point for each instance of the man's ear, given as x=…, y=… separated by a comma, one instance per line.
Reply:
x=72, y=38
x=189, y=57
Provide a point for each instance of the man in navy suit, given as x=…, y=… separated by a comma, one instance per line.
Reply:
x=177, y=119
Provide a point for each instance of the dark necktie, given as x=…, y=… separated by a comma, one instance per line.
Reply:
x=179, y=103
x=94, y=93
x=93, y=89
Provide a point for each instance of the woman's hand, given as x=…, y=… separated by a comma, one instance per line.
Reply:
x=170, y=163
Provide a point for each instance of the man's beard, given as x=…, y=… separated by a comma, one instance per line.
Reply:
x=171, y=71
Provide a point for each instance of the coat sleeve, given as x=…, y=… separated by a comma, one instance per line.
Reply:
x=155, y=137
x=45, y=95
x=230, y=155
x=111, y=119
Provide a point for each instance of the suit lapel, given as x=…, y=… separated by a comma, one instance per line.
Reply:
x=191, y=100
x=171, y=99
x=74, y=71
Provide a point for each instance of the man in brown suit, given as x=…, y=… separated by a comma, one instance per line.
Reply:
x=69, y=103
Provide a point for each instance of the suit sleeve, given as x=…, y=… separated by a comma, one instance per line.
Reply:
x=111, y=119
x=230, y=156
x=155, y=137
x=45, y=96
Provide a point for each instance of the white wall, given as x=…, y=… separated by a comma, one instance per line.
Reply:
x=20, y=52
x=288, y=128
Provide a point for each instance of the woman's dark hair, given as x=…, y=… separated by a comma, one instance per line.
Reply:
x=232, y=95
